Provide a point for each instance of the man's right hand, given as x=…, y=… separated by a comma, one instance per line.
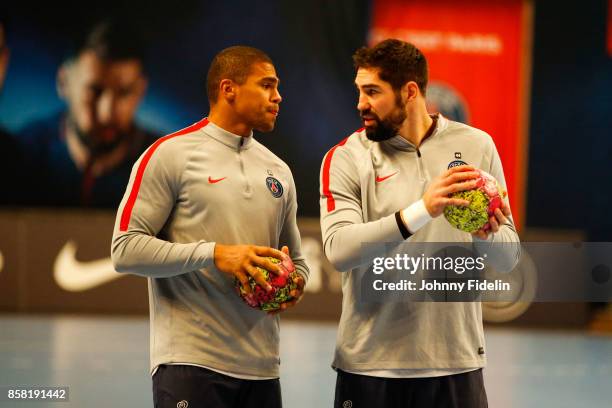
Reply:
x=242, y=260
x=455, y=179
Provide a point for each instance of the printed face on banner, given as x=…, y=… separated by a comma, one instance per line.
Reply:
x=102, y=96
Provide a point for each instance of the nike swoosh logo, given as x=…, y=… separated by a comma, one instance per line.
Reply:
x=213, y=181
x=379, y=179
x=76, y=276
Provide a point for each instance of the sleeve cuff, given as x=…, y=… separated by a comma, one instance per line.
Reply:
x=415, y=216
x=303, y=275
x=205, y=254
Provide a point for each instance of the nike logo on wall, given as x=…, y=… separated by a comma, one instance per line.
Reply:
x=213, y=181
x=379, y=179
x=76, y=276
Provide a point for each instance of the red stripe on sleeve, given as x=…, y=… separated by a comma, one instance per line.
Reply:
x=129, y=205
x=331, y=203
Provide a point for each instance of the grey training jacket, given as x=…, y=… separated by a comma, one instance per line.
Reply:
x=363, y=184
x=190, y=189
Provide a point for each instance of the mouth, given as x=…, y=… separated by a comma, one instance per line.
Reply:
x=273, y=112
x=107, y=134
x=368, y=121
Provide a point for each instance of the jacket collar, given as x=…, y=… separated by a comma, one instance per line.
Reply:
x=399, y=143
x=228, y=138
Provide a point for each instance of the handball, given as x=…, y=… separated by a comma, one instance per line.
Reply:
x=484, y=200
x=282, y=285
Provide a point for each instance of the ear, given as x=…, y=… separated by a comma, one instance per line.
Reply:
x=5, y=55
x=143, y=84
x=61, y=81
x=410, y=91
x=227, y=89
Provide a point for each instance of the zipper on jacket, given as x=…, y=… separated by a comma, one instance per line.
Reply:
x=420, y=168
x=423, y=174
x=247, y=185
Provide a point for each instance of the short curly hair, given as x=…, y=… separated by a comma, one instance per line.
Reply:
x=398, y=62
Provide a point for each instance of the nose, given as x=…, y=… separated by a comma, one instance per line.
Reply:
x=362, y=103
x=276, y=97
x=105, y=108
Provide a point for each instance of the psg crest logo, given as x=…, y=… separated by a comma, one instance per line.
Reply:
x=456, y=163
x=275, y=187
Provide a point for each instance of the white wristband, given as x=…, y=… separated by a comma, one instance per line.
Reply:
x=415, y=216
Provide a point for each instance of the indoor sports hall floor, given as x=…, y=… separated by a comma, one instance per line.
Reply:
x=104, y=361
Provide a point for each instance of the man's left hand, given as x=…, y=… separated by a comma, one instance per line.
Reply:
x=296, y=293
x=499, y=218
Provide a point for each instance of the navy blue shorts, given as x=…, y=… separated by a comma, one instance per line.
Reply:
x=452, y=391
x=183, y=386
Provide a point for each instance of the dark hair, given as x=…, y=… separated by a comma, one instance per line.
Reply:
x=232, y=63
x=113, y=41
x=398, y=62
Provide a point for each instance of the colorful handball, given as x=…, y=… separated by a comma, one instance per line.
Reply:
x=484, y=200
x=282, y=285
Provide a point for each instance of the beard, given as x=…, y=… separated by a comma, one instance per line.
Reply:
x=389, y=126
x=96, y=141
x=261, y=121
x=264, y=125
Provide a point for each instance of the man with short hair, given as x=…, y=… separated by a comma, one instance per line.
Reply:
x=83, y=156
x=206, y=205
x=390, y=182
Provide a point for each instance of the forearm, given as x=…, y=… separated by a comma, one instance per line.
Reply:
x=290, y=237
x=343, y=245
x=301, y=268
x=145, y=255
x=503, y=248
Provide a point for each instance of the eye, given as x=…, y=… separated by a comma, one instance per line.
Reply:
x=95, y=90
x=371, y=92
x=125, y=92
